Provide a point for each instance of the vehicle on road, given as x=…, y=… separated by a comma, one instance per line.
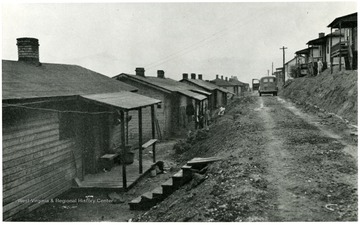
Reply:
x=255, y=84
x=268, y=85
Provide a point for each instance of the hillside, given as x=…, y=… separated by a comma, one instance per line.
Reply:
x=333, y=93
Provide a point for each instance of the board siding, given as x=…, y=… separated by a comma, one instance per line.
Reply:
x=36, y=164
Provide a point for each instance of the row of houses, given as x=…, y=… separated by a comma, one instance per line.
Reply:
x=336, y=50
x=59, y=120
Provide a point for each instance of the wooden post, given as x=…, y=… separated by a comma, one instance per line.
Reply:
x=123, y=144
x=127, y=128
x=153, y=131
x=340, y=47
x=140, y=142
x=196, y=115
x=331, y=58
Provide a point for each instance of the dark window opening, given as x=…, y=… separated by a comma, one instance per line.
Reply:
x=159, y=106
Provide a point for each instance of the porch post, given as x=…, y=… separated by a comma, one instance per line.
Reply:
x=196, y=115
x=153, y=130
x=123, y=144
x=331, y=58
x=140, y=142
x=127, y=128
x=340, y=47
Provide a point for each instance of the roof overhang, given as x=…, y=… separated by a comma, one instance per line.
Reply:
x=348, y=21
x=191, y=94
x=122, y=100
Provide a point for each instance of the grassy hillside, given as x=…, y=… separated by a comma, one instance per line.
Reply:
x=335, y=93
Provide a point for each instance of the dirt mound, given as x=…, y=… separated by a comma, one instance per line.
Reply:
x=335, y=93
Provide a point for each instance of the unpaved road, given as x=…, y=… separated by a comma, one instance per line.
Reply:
x=280, y=164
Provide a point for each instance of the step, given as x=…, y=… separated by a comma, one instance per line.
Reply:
x=158, y=194
x=186, y=171
x=178, y=179
x=135, y=204
x=168, y=187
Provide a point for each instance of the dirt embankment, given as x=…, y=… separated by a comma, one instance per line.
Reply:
x=334, y=93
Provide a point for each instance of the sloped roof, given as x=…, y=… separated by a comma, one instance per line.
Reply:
x=166, y=84
x=322, y=40
x=236, y=82
x=347, y=21
x=124, y=100
x=206, y=85
x=21, y=80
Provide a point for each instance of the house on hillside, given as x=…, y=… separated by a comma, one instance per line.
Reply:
x=218, y=95
x=321, y=48
x=345, y=49
x=290, y=69
x=58, y=122
x=224, y=83
x=182, y=106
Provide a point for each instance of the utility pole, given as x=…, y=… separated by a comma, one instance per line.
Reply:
x=272, y=68
x=268, y=72
x=283, y=75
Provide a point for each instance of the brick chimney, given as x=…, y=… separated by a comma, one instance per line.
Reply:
x=222, y=77
x=28, y=49
x=217, y=76
x=226, y=78
x=200, y=76
x=161, y=74
x=140, y=71
x=185, y=76
x=321, y=35
x=193, y=76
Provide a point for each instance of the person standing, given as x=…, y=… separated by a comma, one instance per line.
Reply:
x=319, y=66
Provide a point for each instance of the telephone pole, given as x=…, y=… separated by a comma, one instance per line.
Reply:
x=283, y=73
x=272, y=68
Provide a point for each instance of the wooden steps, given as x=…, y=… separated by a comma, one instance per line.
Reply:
x=151, y=198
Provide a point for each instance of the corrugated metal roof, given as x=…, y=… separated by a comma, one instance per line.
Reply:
x=167, y=84
x=124, y=100
x=21, y=80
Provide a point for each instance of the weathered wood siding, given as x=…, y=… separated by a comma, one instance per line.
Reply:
x=37, y=165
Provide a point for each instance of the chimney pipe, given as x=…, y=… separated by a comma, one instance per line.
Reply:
x=193, y=76
x=28, y=49
x=226, y=78
x=217, y=76
x=200, y=76
x=140, y=71
x=222, y=77
x=185, y=76
x=321, y=35
x=161, y=74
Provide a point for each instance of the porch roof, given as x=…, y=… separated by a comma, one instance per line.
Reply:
x=192, y=95
x=348, y=21
x=123, y=100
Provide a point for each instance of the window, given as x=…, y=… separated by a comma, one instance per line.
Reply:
x=66, y=126
x=159, y=106
x=271, y=80
x=265, y=80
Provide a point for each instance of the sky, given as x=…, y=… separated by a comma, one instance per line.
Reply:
x=240, y=39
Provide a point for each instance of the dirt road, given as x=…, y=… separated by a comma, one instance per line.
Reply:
x=280, y=164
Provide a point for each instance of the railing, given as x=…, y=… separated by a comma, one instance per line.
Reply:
x=340, y=48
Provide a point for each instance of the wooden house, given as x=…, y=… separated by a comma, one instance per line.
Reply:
x=224, y=83
x=58, y=122
x=345, y=49
x=181, y=106
x=218, y=95
x=241, y=86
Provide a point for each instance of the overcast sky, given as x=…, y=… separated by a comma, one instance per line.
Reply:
x=231, y=39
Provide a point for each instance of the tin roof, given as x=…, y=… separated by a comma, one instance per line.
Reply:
x=166, y=84
x=322, y=40
x=124, y=100
x=21, y=80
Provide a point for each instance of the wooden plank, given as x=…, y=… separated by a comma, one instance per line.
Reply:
x=38, y=182
x=32, y=150
x=30, y=144
x=29, y=138
x=35, y=129
x=109, y=156
x=35, y=170
x=140, y=131
x=203, y=160
x=30, y=206
x=149, y=143
x=35, y=159
x=32, y=177
x=28, y=125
